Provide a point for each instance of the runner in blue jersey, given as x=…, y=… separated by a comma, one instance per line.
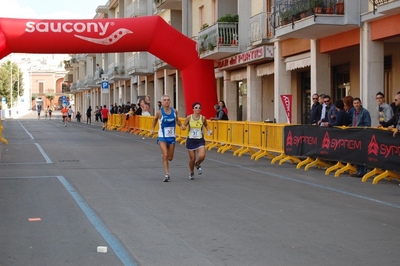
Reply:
x=168, y=119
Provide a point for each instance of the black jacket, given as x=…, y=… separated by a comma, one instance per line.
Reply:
x=394, y=121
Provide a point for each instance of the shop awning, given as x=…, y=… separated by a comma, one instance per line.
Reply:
x=265, y=69
x=298, y=61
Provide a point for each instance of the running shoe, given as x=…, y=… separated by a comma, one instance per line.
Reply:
x=191, y=176
x=199, y=171
x=166, y=178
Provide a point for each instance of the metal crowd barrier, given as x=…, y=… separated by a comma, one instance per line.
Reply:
x=257, y=139
x=1, y=134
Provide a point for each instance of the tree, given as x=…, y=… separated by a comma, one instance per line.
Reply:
x=10, y=74
x=50, y=97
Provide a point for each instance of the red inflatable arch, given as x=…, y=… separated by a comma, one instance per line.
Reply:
x=149, y=33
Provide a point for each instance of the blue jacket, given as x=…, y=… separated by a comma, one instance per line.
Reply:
x=362, y=118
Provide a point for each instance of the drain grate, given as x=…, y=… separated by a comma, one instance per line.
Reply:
x=69, y=161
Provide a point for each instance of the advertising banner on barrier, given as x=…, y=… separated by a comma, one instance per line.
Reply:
x=372, y=147
x=287, y=104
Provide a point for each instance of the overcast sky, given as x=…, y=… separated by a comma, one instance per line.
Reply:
x=53, y=9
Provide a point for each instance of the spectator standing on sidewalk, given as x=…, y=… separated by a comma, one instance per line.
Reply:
x=89, y=115
x=195, y=142
x=220, y=114
x=361, y=118
x=394, y=122
x=385, y=111
x=316, y=108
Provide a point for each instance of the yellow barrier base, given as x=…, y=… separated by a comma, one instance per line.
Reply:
x=212, y=145
x=287, y=158
x=380, y=175
x=278, y=158
x=338, y=165
x=304, y=162
x=372, y=173
x=348, y=168
x=4, y=140
x=317, y=162
x=227, y=147
x=241, y=151
x=261, y=153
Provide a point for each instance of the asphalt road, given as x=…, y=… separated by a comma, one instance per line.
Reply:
x=64, y=191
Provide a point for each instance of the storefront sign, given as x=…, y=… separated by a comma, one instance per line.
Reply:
x=249, y=56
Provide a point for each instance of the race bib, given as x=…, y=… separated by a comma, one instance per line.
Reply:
x=195, y=133
x=169, y=132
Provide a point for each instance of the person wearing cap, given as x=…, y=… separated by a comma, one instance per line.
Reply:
x=195, y=139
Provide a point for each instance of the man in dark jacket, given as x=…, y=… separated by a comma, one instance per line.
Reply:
x=394, y=122
x=316, y=109
x=220, y=113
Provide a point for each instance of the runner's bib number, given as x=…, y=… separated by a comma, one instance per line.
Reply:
x=195, y=133
x=169, y=132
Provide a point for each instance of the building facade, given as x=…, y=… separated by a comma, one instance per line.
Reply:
x=262, y=49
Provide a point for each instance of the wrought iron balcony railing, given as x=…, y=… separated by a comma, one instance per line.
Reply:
x=289, y=11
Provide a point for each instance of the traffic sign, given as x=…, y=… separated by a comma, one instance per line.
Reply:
x=104, y=84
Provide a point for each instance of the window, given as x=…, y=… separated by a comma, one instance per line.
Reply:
x=41, y=87
x=201, y=16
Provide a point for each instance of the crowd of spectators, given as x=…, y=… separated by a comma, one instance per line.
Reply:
x=350, y=112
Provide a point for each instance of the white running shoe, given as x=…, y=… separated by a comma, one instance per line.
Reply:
x=199, y=171
x=191, y=176
x=166, y=178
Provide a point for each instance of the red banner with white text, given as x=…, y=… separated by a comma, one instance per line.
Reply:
x=287, y=104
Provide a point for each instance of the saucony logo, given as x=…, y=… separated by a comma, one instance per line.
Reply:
x=80, y=27
x=113, y=38
x=68, y=27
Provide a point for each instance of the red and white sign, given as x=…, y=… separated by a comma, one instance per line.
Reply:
x=287, y=104
x=249, y=56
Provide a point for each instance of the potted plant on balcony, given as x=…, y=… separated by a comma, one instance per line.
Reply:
x=319, y=4
x=339, y=7
x=204, y=26
x=122, y=70
x=284, y=16
x=116, y=70
x=229, y=18
x=330, y=8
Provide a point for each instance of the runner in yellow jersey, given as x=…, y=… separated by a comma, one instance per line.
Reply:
x=195, y=140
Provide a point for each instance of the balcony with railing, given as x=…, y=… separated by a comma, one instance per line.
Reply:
x=379, y=8
x=161, y=64
x=260, y=28
x=138, y=64
x=218, y=41
x=168, y=4
x=81, y=57
x=90, y=82
x=313, y=19
x=73, y=87
x=136, y=9
x=117, y=72
x=68, y=77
